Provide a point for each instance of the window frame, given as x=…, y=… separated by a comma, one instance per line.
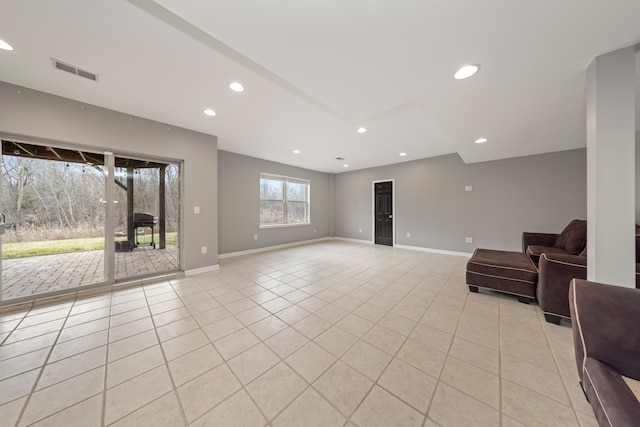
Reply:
x=285, y=180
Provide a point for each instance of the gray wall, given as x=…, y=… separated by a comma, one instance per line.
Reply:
x=534, y=193
x=40, y=115
x=239, y=204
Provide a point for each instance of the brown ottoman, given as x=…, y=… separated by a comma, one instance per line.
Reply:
x=509, y=272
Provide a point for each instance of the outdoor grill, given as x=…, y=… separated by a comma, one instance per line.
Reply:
x=144, y=220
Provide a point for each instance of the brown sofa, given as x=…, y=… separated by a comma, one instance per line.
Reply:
x=606, y=334
x=555, y=272
x=559, y=258
x=571, y=241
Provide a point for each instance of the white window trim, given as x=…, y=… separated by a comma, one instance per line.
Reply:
x=286, y=179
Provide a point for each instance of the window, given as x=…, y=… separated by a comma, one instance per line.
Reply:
x=283, y=200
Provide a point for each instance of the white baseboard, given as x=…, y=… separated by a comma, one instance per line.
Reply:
x=202, y=270
x=436, y=251
x=271, y=248
x=345, y=239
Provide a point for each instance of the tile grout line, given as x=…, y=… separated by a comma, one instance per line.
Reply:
x=553, y=354
x=394, y=356
x=360, y=339
x=438, y=380
x=174, y=389
x=263, y=342
x=282, y=360
x=42, y=368
x=224, y=362
x=103, y=413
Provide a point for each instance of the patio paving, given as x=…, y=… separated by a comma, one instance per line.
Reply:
x=25, y=277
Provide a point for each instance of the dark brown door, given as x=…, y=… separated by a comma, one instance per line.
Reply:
x=384, y=213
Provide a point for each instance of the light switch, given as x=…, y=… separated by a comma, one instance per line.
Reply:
x=196, y=210
x=468, y=188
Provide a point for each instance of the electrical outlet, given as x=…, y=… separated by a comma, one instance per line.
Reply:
x=360, y=230
x=255, y=237
x=203, y=250
x=315, y=230
x=469, y=240
x=468, y=188
x=408, y=234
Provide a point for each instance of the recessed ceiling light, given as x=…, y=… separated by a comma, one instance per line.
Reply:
x=209, y=112
x=466, y=72
x=345, y=165
x=403, y=154
x=236, y=87
x=480, y=140
x=362, y=130
x=296, y=151
x=5, y=46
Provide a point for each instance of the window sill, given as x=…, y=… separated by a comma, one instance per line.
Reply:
x=264, y=226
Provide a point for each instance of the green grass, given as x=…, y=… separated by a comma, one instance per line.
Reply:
x=52, y=247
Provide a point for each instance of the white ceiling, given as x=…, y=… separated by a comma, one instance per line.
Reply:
x=315, y=70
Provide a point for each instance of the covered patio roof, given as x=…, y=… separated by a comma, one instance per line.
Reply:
x=47, y=152
x=44, y=152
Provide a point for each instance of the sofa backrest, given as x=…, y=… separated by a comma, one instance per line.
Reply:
x=573, y=238
x=606, y=325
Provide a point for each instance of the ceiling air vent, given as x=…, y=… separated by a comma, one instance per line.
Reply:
x=74, y=70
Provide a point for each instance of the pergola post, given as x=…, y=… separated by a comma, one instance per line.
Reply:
x=162, y=229
x=130, y=230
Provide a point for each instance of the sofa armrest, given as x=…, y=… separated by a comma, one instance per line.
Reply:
x=555, y=273
x=613, y=403
x=538, y=239
x=567, y=261
x=606, y=326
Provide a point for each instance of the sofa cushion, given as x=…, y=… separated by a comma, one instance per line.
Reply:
x=537, y=251
x=574, y=237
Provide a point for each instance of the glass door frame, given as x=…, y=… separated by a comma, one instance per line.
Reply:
x=109, y=229
x=111, y=213
x=109, y=200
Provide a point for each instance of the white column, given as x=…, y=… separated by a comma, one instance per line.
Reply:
x=611, y=80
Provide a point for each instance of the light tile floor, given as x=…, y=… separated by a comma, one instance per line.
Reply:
x=333, y=333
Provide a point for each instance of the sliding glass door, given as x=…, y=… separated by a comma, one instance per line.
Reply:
x=54, y=211
x=63, y=230
x=146, y=213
